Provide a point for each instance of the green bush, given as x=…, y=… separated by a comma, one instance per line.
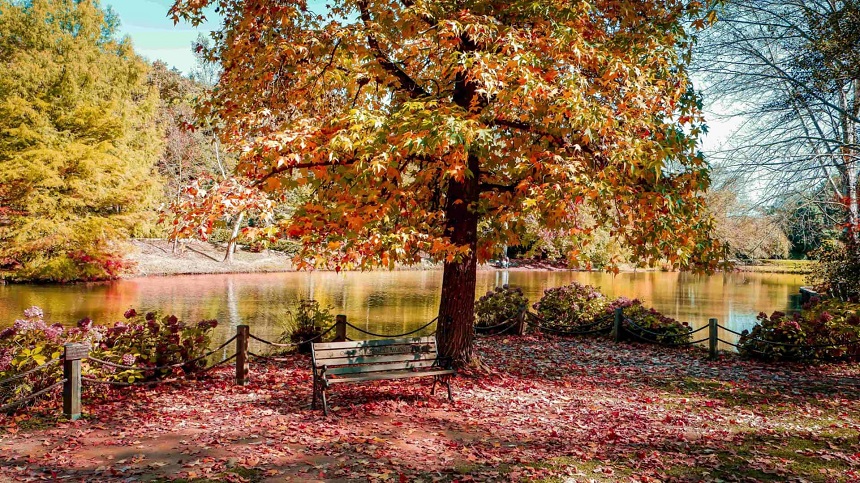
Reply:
x=571, y=306
x=797, y=337
x=649, y=325
x=498, y=306
x=836, y=271
x=307, y=321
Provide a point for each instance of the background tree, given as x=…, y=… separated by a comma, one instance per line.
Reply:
x=749, y=232
x=413, y=121
x=789, y=70
x=78, y=141
x=191, y=148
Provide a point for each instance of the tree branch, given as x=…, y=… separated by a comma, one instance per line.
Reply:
x=406, y=83
x=427, y=18
x=558, y=140
x=290, y=167
x=483, y=187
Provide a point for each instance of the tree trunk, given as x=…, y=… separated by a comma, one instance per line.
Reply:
x=234, y=236
x=457, y=308
x=853, y=203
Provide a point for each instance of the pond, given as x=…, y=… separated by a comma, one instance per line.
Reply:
x=388, y=302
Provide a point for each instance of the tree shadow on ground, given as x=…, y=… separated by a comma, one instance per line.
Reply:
x=732, y=379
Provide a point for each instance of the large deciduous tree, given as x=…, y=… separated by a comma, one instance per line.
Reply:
x=439, y=129
x=78, y=141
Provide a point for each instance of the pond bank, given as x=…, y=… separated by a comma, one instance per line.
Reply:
x=153, y=257
x=156, y=258
x=587, y=410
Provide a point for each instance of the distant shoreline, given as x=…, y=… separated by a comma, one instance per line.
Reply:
x=155, y=258
x=795, y=267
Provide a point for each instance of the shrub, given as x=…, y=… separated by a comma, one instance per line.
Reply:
x=308, y=320
x=837, y=270
x=142, y=340
x=571, y=306
x=649, y=325
x=150, y=340
x=831, y=323
x=27, y=344
x=499, y=306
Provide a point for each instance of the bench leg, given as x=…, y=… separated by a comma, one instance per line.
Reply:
x=324, y=402
x=314, y=395
x=433, y=390
x=448, y=383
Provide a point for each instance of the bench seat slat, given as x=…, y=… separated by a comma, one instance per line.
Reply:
x=374, y=351
x=388, y=375
x=373, y=343
x=344, y=361
x=395, y=366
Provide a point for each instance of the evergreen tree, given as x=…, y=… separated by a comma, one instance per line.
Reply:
x=78, y=141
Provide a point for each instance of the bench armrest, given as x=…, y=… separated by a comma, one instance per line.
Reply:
x=444, y=362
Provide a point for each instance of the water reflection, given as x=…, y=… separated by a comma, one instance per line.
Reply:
x=388, y=301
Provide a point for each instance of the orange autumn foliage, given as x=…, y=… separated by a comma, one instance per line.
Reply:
x=437, y=128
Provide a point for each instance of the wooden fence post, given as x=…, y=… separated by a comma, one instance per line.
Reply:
x=617, y=327
x=520, y=328
x=339, y=328
x=72, y=355
x=713, y=335
x=242, y=332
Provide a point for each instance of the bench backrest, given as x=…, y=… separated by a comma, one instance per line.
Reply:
x=374, y=355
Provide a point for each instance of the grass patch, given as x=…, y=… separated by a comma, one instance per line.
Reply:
x=777, y=458
x=800, y=267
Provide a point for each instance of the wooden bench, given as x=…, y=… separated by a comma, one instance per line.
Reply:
x=375, y=360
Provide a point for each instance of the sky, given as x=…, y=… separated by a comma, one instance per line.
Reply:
x=153, y=34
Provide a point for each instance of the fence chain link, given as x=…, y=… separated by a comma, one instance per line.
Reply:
x=372, y=334
x=31, y=371
x=19, y=402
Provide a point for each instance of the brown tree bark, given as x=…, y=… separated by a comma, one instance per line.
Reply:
x=456, y=325
x=457, y=308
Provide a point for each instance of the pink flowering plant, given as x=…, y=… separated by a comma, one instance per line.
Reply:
x=142, y=341
x=498, y=307
x=148, y=342
x=571, y=306
x=29, y=343
x=824, y=330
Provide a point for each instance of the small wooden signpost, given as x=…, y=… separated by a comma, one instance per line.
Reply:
x=73, y=353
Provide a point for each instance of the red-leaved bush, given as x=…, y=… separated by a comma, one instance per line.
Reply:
x=143, y=341
x=823, y=330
